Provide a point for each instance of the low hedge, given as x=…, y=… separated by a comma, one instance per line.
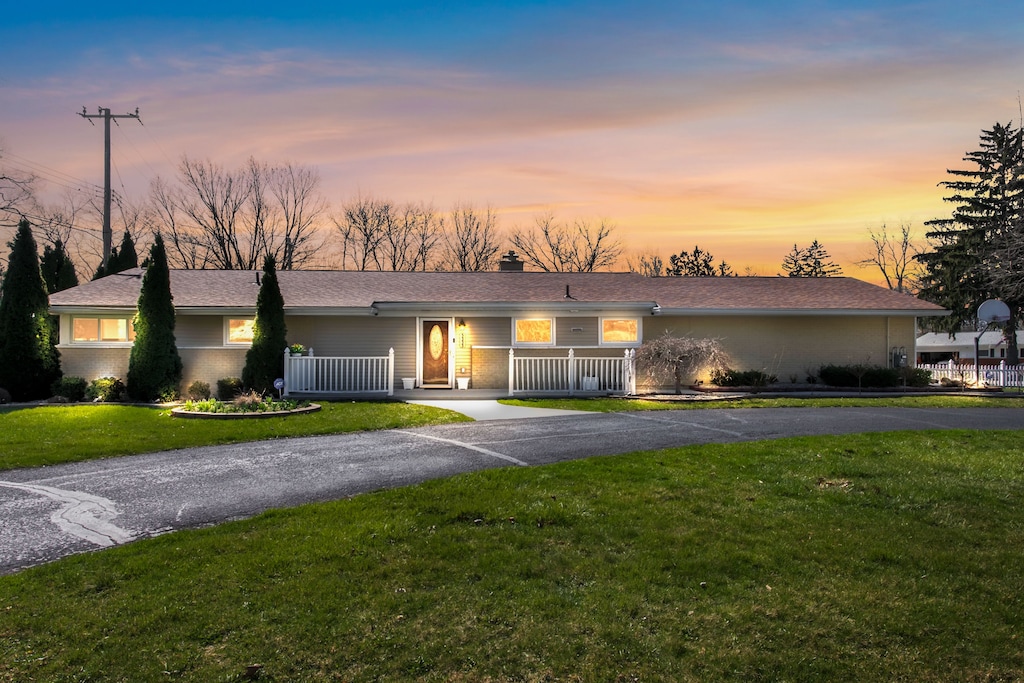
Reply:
x=742, y=378
x=874, y=376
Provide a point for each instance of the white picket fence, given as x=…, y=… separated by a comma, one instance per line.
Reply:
x=339, y=374
x=1001, y=375
x=570, y=374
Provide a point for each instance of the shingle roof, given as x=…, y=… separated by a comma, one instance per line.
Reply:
x=216, y=289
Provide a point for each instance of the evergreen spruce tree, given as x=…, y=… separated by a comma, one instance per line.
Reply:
x=154, y=367
x=966, y=247
x=810, y=261
x=29, y=360
x=697, y=263
x=57, y=269
x=264, y=362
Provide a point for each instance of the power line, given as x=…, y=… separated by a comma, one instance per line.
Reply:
x=50, y=175
x=43, y=169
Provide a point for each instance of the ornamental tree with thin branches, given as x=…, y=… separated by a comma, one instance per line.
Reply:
x=669, y=358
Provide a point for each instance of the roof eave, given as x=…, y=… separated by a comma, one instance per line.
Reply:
x=829, y=312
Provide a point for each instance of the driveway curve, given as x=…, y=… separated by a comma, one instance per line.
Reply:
x=52, y=512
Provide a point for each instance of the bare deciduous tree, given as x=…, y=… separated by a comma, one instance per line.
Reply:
x=669, y=358
x=893, y=256
x=297, y=196
x=17, y=195
x=220, y=218
x=648, y=265
x=470, y=240
x=1005, y=268
x=362, y=224
x=377, y=234
x=558, y=247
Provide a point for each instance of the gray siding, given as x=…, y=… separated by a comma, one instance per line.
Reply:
x=363, y=336
x=489, y=331
x=576, y=331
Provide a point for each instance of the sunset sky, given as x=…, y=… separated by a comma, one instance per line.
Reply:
x=740, y=126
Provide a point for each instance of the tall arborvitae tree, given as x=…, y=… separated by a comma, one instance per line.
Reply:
x=966, y=247
x=264, y=362
x=121, y=258
x=154, y=367
x=57, y=269
x=29, y=361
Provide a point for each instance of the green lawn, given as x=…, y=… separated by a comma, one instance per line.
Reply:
x=876, y=557
x=618, y=405
x=47, y=435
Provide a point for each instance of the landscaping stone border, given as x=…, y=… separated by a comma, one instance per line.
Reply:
x=198, y=415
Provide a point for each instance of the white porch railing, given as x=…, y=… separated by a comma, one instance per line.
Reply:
x=570, y=374
x=339, y=375
x=1001, y=375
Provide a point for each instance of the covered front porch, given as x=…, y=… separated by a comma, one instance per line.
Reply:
x=553, y=372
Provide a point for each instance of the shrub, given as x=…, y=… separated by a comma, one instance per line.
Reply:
x=198, y=391
x=106, y=389
x=248, y=401
x=228, y=388
x=745, y=378
x=860, y=376
x=5, y=396
x=916, y=377
x=71, y=388
x=168, y=394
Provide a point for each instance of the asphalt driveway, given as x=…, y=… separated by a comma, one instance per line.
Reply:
x=51, y=512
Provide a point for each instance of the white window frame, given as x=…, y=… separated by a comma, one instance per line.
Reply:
x=535, y=345
x=626, y=345
x=129, y=319
x=227, y=330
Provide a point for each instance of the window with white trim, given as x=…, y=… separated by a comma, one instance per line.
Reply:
x=102, y=329
x=620, y=331
x=238, y=330
x=534, y=331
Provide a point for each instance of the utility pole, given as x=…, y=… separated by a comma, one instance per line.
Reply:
x=105, y=114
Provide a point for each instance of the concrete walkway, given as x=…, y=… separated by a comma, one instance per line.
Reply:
x=492, y=410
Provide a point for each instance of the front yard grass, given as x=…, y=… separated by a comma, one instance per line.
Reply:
x=621, y=405
x=874, y=557
x=47, y=435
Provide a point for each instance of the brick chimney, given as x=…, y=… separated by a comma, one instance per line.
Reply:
x=510, y=262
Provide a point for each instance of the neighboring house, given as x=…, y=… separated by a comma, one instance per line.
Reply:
x=488, y=329
x=939, y=347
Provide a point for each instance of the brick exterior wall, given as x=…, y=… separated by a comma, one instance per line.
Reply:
x=489, y=368
x=793, y=346
x=210, y=365
x=94, y=362
x=207, y=365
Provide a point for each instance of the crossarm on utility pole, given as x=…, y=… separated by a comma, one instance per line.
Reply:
x=104, y=113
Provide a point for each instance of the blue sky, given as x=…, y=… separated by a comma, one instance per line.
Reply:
x=739, y=126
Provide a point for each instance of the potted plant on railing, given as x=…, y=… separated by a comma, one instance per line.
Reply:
x=297, y=349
